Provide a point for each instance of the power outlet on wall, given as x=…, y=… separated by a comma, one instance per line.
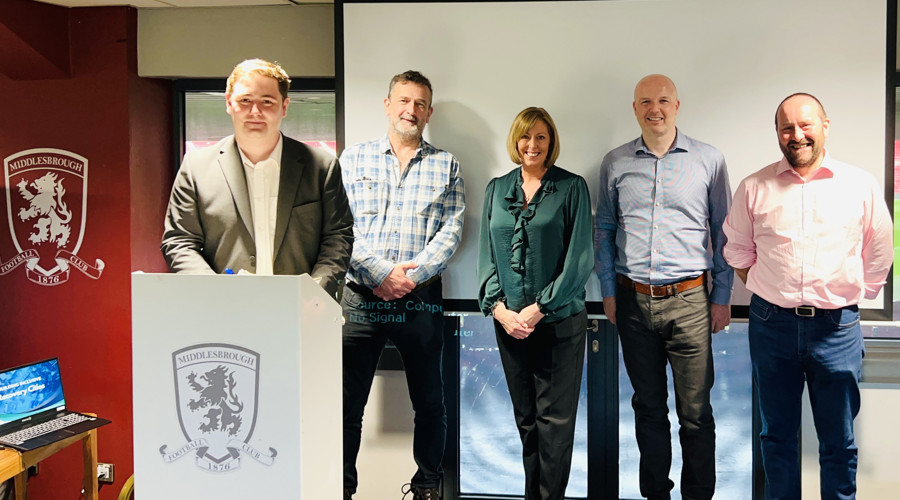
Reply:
x=106, y=473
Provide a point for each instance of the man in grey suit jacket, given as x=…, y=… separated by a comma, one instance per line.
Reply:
x=259, y=201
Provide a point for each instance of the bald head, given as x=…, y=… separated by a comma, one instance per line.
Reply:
x=656, y=107
x=800, y=99
x=652, y=82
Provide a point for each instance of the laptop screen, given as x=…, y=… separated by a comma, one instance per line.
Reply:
x=30, y=389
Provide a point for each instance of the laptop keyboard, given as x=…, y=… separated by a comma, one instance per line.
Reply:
x=23, y=435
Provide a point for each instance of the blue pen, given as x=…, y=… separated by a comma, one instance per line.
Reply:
x=228, y=270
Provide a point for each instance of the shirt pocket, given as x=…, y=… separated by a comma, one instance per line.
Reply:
x=369, y=197
x=430, y=200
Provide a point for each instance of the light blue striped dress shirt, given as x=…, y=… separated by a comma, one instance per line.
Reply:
x=416, y=215
x=659, y=220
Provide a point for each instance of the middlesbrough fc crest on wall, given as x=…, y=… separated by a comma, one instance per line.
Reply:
x=216, y=387
x=46, y=201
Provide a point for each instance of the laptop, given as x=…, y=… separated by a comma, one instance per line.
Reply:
x=33, y=407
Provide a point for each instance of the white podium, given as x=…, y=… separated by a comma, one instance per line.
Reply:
x=237, y=387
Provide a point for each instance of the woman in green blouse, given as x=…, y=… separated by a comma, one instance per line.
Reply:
x=535, y=256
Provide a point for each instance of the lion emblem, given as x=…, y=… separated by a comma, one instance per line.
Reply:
x=48, y=207
x=217, y=395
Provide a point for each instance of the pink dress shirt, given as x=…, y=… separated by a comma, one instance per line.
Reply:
x=826, y=241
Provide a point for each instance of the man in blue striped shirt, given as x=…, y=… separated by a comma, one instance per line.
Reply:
x=658, y=229
x=407, y=199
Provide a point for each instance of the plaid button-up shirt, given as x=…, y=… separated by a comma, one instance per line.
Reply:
x=411, y=216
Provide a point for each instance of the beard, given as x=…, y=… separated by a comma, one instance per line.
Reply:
x=801, y=159
x=408, y=130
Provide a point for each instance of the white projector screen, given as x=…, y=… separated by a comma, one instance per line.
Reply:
x=732, y=61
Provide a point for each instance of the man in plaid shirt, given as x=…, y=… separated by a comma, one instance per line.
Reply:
x=407, y=199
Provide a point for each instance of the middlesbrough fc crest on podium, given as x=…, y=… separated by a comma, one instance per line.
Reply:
x=46, y=201
x=216, y=387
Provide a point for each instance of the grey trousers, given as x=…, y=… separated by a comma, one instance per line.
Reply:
x=674, y=330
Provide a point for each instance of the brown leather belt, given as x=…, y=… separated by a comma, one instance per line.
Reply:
x=661, y=291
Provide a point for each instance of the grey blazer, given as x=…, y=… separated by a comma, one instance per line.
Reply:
x=209, y=224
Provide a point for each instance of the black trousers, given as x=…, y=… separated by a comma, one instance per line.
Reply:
x=543, y=373
x=415, y=324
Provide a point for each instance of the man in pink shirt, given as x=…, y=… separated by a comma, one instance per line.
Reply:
x=810, y=237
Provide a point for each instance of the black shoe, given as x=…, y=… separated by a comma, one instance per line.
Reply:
x=420, y=493
x=347, y=494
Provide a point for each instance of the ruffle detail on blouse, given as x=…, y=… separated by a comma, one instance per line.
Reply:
x=515, y=200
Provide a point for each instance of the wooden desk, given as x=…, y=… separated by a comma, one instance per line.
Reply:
x=15, y=464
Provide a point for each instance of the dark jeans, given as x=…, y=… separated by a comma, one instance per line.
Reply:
x=824, y=351
x=414, y=323
x=543, y=374
x=674, y=330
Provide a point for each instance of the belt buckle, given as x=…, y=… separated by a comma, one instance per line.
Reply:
x=665, y=293
x=805, y=311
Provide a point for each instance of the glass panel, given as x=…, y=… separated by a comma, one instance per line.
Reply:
x=490, y=453
x=895, y=332
x=887, y=330
x=732, y=408
x=310, y=119
x=883, y=329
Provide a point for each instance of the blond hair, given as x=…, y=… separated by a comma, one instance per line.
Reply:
x=261, y=67
x=522, y=124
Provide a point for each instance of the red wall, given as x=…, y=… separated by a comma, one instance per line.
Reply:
x=101, y=110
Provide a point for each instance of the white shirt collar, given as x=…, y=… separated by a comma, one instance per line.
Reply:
x=274, y=155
